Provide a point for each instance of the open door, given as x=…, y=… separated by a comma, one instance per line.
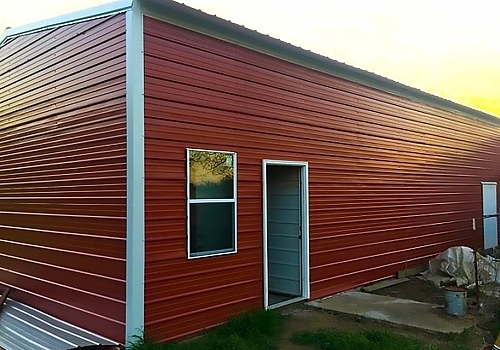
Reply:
x=286, y=245
x=490, y=214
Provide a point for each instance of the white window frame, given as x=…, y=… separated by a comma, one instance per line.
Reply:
x=195, y=201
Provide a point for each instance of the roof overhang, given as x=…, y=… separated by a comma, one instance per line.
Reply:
x=73, y=17
x=189, y=18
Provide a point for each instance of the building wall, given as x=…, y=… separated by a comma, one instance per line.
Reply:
x=62, y=172
x=392, y=182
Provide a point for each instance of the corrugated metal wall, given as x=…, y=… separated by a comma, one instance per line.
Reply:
x=392, y=182
x=62, y=172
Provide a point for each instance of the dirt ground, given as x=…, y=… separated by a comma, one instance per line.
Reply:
x=304, y=318
x=415, y=289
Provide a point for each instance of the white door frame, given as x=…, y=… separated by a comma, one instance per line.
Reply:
x=496, y=205
x=304, y=173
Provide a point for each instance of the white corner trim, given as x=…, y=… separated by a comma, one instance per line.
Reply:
x=82, y=15
x=134, y=315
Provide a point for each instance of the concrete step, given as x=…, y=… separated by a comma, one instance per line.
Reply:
x=395, y=310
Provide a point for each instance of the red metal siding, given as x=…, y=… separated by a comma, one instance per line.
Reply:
x=63, y=173
x=392, y=182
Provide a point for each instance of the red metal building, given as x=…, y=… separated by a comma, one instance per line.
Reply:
x=166, y=169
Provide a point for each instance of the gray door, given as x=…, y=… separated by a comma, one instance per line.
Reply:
x=489, y=215
x=284, y=223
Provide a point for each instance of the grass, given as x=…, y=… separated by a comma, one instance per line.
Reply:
x=259, y=330
x=459, y=341
x=494, y=326
x=331, y=339
x=248, y=331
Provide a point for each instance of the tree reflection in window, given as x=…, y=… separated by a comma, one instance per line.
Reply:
x=211, y=175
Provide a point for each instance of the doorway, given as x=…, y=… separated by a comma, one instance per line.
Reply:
x=286, y=232
x=490, y=214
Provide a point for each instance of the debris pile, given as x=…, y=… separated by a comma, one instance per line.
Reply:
x=458, y=264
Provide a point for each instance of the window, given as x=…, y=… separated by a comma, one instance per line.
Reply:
x=211, y=203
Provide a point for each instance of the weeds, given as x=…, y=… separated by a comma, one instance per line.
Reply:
x=248, y=331
x=331, y=339
x=460, y=341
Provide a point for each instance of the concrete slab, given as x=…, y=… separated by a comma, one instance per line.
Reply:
x=395, y=310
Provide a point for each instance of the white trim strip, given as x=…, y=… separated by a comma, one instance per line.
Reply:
x=305, y=227
x=134, y=315
x=78, y=16
x=208, y=254
x=221, y=200
x=264, y=235
x=286, y=302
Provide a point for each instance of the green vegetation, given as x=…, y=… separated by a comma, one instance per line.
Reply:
x=331, y=339
x=459, y=338
x=494, y=326
x=460, y=341
x=260, y=330
x=249, y=331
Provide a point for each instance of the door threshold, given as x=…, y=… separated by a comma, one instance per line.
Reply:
x=286, y=302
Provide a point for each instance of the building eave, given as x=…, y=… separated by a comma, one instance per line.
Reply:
x=189, y=18
x=73, y=17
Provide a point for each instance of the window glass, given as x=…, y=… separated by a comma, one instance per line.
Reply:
x=211, y=175
x=212, y=227
x=211, y=202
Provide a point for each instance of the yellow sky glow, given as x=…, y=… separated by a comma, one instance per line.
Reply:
x=450, y=48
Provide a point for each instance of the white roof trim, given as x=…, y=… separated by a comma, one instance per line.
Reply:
x=78, y=16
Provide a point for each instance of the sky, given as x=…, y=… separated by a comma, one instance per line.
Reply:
x=450, y=48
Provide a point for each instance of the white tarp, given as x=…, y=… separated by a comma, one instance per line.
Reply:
x=458, y=263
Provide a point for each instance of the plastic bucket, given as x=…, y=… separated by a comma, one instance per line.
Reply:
x=456, y=300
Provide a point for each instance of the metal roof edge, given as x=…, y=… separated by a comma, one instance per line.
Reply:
x=189, y=18
x=77, y=16
x=25, y=327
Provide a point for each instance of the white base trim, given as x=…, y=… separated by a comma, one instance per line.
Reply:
x=285, y=303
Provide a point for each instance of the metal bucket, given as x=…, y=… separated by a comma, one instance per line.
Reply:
x=456, y=300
